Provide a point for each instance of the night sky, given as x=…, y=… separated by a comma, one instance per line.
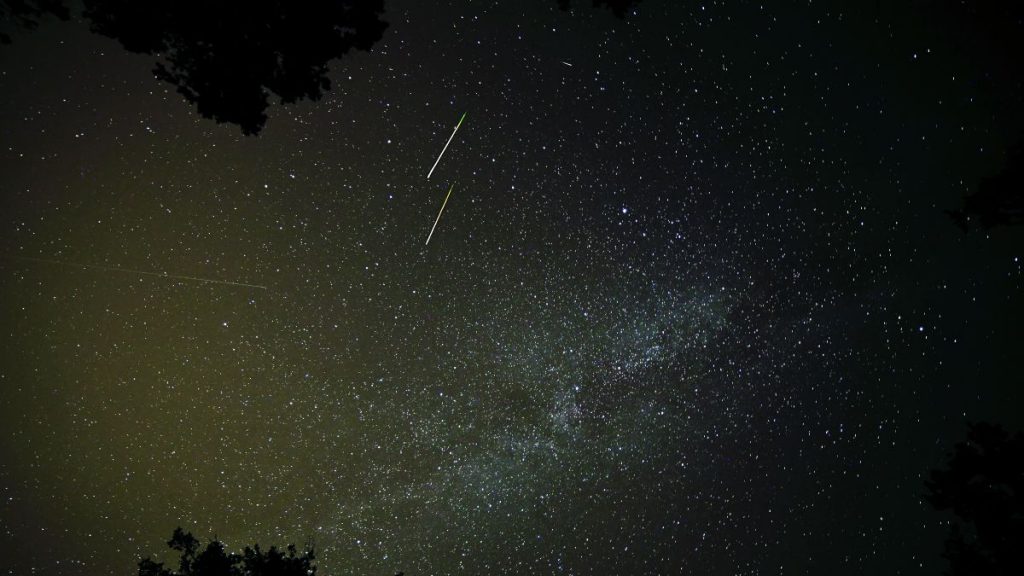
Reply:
x=693, y=306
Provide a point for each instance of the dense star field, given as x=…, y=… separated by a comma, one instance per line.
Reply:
x=693, y=306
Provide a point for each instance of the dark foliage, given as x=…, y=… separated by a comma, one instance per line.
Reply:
x=227, y=57
x=998, y=201
x=984, y=487
x=214, y=561
x=618, y=7
x=988, y=34
x=26, y=14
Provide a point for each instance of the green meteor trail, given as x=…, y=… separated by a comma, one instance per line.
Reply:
x=446, y=145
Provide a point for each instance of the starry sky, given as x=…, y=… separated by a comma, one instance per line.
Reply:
x=693, y=305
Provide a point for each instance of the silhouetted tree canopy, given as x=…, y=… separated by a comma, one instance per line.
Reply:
x=988, y=35
x=27, y=13
x=214, y=561
x=225, y=57
x=998, y=201
x=618, y=7
x=984, y=487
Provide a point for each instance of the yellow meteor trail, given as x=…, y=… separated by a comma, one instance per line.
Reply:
x=441, y=211
x=143, y=272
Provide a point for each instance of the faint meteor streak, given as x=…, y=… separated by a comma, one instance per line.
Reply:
x=142, y=272
x=446, y=145
x=441, y=211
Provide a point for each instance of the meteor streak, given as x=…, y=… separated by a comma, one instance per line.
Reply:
x=446, y=145
x=441, y=211
x=142, y=272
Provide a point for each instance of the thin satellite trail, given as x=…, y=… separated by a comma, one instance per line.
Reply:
x=446, y=145
x=142, y=272
x=441, y=211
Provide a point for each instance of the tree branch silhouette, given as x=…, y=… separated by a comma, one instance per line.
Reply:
x=228, y=58
x=26, y=14
x=998, y=200
x=215, y=561
x=618, y=7
x=984, y=487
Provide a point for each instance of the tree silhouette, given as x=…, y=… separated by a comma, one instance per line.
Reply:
x=225, y=57
x=214, y=561
x=984, y=487
x=999, y=199
x=27, y=14
x=618, y=7
x=988, y=35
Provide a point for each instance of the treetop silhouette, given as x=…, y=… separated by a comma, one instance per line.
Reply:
x=26, y=14
x=226, y=58
x=618, y=7
x=214, y=561
x=998, y=200
x=984, y=488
